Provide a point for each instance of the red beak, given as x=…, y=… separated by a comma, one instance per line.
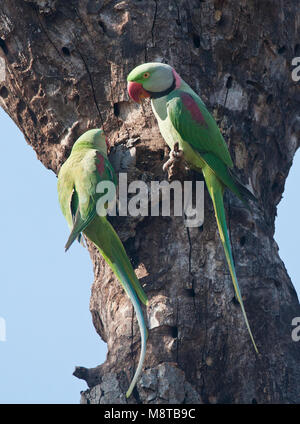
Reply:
x=136, y=91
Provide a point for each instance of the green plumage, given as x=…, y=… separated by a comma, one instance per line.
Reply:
x=183, y=118
x=77, y=191
x=202, y=134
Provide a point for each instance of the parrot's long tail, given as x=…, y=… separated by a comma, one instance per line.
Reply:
x=216, y=189
x=111, y=248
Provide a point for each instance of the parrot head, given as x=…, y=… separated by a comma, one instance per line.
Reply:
x=92, y=139
x=151, y=80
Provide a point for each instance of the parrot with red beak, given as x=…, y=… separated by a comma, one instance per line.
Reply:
x=184, y=121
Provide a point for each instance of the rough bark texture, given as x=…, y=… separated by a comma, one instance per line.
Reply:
x=66, y=65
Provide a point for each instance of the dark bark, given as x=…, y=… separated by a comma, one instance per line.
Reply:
x=66, y=68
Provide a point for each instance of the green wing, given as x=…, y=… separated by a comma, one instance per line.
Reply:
x=196, y=126
x=87, y=172
x=65, y=189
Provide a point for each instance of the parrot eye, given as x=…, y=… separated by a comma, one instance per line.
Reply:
x=146, y=75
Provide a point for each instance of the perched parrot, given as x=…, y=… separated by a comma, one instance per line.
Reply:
x=77, y=181
x=184, y=121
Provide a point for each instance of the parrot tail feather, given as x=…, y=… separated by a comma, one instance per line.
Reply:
x=216, y=189
x=111, y=248
x=144, y=336
x=127, y=285
x=78, y=226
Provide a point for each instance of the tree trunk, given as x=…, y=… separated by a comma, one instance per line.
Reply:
x=66, y=65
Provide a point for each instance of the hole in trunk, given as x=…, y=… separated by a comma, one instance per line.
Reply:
x=174, y=332
x=4, y=92
x=229, y=82
x=281, y=50
x=3, y=46
x=242, y=240
x=235, y=301
x=102, y=26
x=196, y=40
x=65, y=51
x=116, y=109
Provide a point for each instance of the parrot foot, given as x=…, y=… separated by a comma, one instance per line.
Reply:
x=175, y=155
x=175, y=165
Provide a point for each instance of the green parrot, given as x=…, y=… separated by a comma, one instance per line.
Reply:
x=185, y=122
x=78, y=178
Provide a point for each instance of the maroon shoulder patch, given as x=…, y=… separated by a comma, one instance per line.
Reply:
x=177, y=78
x=193, y=108
x=100, y=163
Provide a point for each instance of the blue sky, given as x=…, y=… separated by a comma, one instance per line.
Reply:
x=44, y=292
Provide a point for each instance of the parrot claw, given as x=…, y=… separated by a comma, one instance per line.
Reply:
x=175, y=155
x=167, y=165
